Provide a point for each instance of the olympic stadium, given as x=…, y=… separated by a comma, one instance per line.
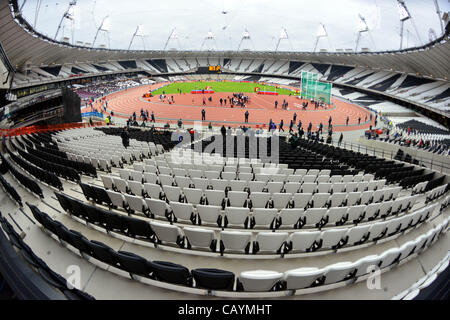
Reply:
x=221, y=158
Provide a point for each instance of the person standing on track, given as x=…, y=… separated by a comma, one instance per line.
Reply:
x=295, y=117
x=276, y=104
x=203, y=114
x=246, y=116
x=281, y=126
x=346, y=121
x=153, y=117
x=291, y=125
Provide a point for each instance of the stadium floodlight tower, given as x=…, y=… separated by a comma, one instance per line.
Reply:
x=362, y=28
x=68, y=14
x=283, y=36
x=438, y=11
x=209, y=39
x=173, y=36
x=245, y=36
x=104, y=27
x=321, y=33
x=404, y=16
x=138, y=33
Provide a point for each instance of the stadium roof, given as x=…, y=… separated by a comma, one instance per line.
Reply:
x=24, y=46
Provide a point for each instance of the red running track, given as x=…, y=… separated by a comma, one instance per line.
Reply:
x=261, y=109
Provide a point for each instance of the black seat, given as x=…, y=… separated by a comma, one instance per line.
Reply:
x=78, y=208
x=114, y=222
x=61, y=231
x=64, y=202
x=214, y=279
x=101, y=196
x=137, y=228
x=102, y=252
x=88, y=192
x=78, y=241
x=132, y=263
x=171, y=272
x=95, y=215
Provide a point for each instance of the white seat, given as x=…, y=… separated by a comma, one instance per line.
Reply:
x=229, y=175
x=215, y=197
x=212, y=174
x=237, y=198
x=338, y=272
x=337, y=179
x=209, y=215
x=200, y=183
x=358, y=178
x=200, y=238
x=136, y=203
x=366, y=264
x=108, y=182
x=235, y=241
x=117, y=199
x=301, y=200
x=238, y=185
x=136, y=188
x=183, y=182
x=237, y=216
x=357, y=234
x=302, y=277
x=388, y=257
x=300, y=172
x=245, y=176
x=158, y=207
x=309, y=179
x=338, y=187
x=272, y=242
x=366, y=196
x=262, y=177
x=324, y=187
x=124, y=174
x=180, y=172
x=337, y=199
x=371, y=211
x=314, y=215
x=353, y=198
x=166, y=232
x=314, y=172
x=151, y=178
x=193, y=196
x=377, y=196
x=290, y=217
x=372, y=185
x=183, y=211
x=292, y=187
x=335, y=215
x=407, y=249
x=351, y=187
x=154, y=191
x=385, y=208
x=173, y=193
x=263, y=217
x=294, y=178
x=165, y=179
x=274, y=187
x=136, y=175
x=308, y=187
x=378, y=229
x=347, y=178
x=219, y=184
x=362, y=186
x=259, y=280
x=331, y=239
x=281, y=200
x=165, y=170
x=150, y=169
x=121, y=185
x=256, y=186
x=193, y=173
x=259, y=199
x=319, y=200
x=303, y=241
x=323, y=179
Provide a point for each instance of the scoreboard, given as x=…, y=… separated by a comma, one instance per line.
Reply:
x=214, y=68
x=209, y=69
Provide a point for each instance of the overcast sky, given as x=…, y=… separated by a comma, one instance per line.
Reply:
x=228, y=19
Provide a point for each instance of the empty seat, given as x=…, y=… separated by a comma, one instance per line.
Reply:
x=389, y=257
x=235, y=241
x=136, y=188
x=108, y=182
x=366, y=265
x=193, y=196
x=259, y=280
x=302, y=278
x=292, y=187
x=238, y=185
x=272, y=242
x=303, y=241
x=281, y=200
x=215, y=197
x=308, y=187
x=200, y=238
x=154, y=191
x=167, y=233
x=289, y=217
x=117, y=199
x=209, y=215
x=301, y=200
x=237, y=198
x=173, y=193
x=335, y=216
x=133, y=264
x=338, y=272
x=259, y=199
x=236, y=216
x=263, y=217
x=333, y=238
x=256, y=186
x=357, y=235
x=213, y=279
x=121, y=185
x=274, y=187
x=137, y=228
x=171, y=272
x=319, y=200
x=158, y=208
x=313, y=216
x=183, y=211
x=324, y=187
x=136, y=204
x=309, y=179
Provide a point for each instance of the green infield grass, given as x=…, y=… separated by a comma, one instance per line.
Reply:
x=236, y=87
